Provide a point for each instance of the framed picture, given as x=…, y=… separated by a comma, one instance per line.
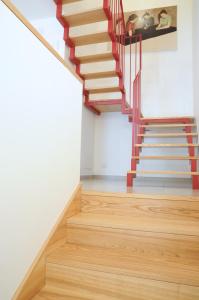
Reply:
x=158, y=27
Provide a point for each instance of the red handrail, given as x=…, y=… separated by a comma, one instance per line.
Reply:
x=136, y=99
x=117, y=33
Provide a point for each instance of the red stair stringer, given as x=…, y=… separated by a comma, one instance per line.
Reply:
x=76, y=61
x=191, y=149
x=71, y=46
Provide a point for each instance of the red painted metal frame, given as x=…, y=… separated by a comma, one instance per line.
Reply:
x=193, y=162
x=90, y=106
x=71, y=46
x=136, y=107
x=127, y=108
x=67, y=38
x=137, y=120
x=116, y=30
x=114, y=12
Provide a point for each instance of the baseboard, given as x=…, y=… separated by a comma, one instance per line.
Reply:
x=103, y=177
x=83, y=177
x=35, y=277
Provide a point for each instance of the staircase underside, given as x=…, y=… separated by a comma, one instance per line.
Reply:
x=90, y=35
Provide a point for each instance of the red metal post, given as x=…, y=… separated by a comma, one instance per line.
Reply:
x=136, y=104
x=129, y=180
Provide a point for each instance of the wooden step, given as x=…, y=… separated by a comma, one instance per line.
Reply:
x=165, y=173
x=169, y=207
x=105, y=97
x=178, y=248
x=92, y=57
x=97, y=70
x=123, y=263
x=86, y=194
x=166, y=118
x=69, y=1
x=139, y=223
x=94, y=38
x=167, y=135
x=167, y=125
x=95, y=58
x=104, y=90
x=100, y=75
x=166, y=145
x=108, y=108
x=166, y=157
x=83, y=12
x=40, y=297
x=95, y=285
x=59, y=289
x=112, y=82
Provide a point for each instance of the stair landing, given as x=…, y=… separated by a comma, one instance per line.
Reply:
x=147, y=185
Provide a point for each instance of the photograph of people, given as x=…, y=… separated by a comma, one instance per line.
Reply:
x=152, y=23
x=165, y=20
x=131, y=24
x=148, y=21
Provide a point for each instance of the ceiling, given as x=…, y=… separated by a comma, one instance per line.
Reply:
x=36, y=9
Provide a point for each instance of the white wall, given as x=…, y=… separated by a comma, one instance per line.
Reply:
x=40, y=121
x=36, y=9
x=167, y=76
x=196, y=58
x=42, y=15
x=52, y=31
x=112, y=154
x=87, y=145
x=112, y=148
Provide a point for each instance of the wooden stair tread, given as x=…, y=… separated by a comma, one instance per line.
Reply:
x=69, y=1
x=167, y=118
x=169, y=207
x=139, y=223
x=100, y=75
x=96, y=285
x=164, y=172
x=94, y=38
x=134, y=196
x=40, y=297
x=86, y=17
x=104, y=90
x=104, y=260
x=167, y=125
x=108, y=108
x=167, y=157
x=95, y=58
x=167, y=134
x=78, y=13
x=52, y=292
x=166, y=145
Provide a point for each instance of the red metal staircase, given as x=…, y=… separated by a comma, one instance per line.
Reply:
x=184, y=127
x=100, y=24
x=110, y=11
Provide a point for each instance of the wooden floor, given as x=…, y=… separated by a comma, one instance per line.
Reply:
x=127, y=246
